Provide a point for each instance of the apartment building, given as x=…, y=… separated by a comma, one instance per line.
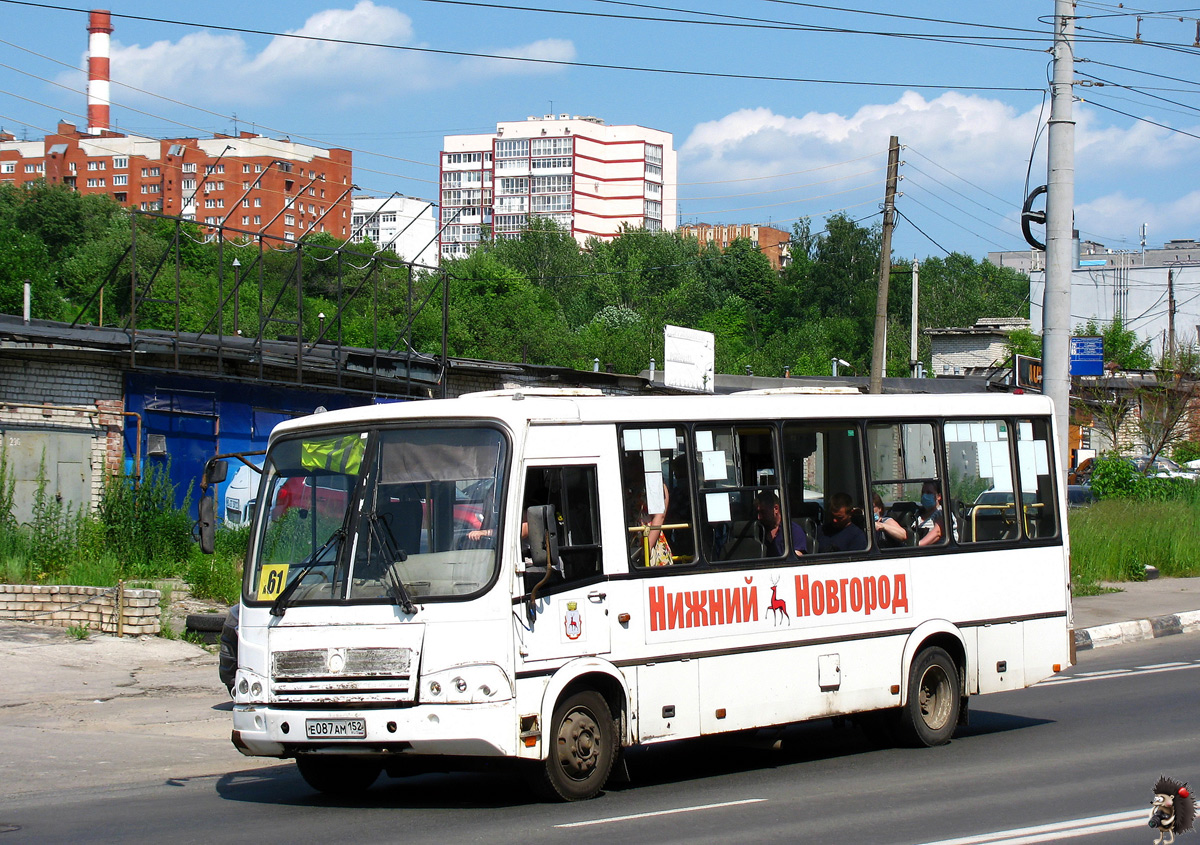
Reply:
x=590, y=178
x=405, y=225
x=249, y=184
x=775, y=244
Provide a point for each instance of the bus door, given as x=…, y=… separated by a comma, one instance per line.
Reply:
x=563, y=610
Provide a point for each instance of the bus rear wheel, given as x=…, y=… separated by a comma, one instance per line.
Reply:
x=344, y=776
x=583, y=746
x=934, y=697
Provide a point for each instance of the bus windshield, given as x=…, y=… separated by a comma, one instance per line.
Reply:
x=393, y=515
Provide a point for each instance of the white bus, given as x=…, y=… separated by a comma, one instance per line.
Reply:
x=553, y=578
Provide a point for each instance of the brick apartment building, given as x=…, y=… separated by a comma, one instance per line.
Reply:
x=775, y=244
x=250, y=183
x=592, y=179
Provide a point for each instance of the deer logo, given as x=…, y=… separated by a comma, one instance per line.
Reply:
x=777, y=607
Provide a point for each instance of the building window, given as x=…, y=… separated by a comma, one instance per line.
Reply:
x=257, y=219
x=258, y=168
x=147, y=172
x=510, y=185
x=8, y=167
x=654, y=153
x=258, y=202
x=209, y=187
x=291, y=236
x=122, y=163
x=151, y=189
x=213, y=168
x=246, y=168
x=453, y=179
x=452, y=198
x=188, y=184
x=95, y=183
x=246, y=220
x=387, y=218
x=210, y=203
x=289, y=220
x=553, y=202
x=654, y=209
x=512, y=149
x=245, y=203
x=653, y=189
x=551, y=163
x=96, y=165
x=462, y=158
x=550, y=184
x=31, y=168
x=553, y=146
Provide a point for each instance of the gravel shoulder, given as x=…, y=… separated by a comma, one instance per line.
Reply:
x=104, y=711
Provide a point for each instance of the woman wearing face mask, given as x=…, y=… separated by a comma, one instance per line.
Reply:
x=888, y=532
x=931, y=521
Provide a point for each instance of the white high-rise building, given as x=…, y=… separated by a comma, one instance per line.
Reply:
x=590, y=178
x=405, y=225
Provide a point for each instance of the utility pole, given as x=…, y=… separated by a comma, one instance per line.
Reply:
x=912, y=333
x=879, y=347
x=1171, y=313
x=1060, y=225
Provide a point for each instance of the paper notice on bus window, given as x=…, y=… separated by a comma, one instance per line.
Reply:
x=1025, y=430
x=977, y=432
x=718, y=507
x=1001, y=466
x=1027, y=458
x=666, y=438
x=990, y=434
x=633, y=440
x=1041, y=457
x=271, y=581
x=655, y=502
x=704, y=442
x=714, y=465
x=651, y=462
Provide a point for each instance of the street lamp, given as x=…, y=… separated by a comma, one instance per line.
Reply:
x=237, y=294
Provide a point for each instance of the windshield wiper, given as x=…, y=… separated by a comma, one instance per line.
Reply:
x=391, y=579
x=280, y=605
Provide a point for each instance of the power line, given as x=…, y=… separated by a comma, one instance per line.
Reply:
x=537, y=61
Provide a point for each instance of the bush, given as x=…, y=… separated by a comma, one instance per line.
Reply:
x=1114, y=477
x=1188, y=450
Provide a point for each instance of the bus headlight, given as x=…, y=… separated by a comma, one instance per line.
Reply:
x=474, y=683
x=249, y=688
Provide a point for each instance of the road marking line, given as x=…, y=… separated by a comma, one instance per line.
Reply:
x=662, y=813
x=1054, y=831
x=1165, y=665
x=1076, y=679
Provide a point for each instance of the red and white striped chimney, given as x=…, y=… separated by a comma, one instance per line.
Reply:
x=99, y=28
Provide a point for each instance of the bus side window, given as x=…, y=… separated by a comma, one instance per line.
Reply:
x=979, y=474
x=658, y=496
x=739, y=487
x=825, y=498
x=573, y=493
x=903, y=468
x=1035, y=464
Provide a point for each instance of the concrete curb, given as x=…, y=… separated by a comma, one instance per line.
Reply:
x=1116, y=633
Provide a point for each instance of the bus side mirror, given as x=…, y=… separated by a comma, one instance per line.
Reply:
x=543, y=536
x=207, y=524
x=215, y=472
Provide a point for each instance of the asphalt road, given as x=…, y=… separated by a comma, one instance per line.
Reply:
x=1078, y=754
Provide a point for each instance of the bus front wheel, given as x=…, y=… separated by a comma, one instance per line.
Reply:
x=583, y=746
x=344, y=776
x=934, y=697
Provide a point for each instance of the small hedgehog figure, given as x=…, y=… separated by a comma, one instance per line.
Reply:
x=1172, y=810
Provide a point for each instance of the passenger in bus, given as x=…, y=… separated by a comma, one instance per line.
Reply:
x=931, y=519
x=888, y=532
x=649, y=545
x=770, y=517
x=840, y=534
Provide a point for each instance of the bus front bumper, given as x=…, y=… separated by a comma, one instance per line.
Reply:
x=466, y=730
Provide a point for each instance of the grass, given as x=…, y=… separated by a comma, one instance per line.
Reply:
x=1116, y=539
x=79, y=632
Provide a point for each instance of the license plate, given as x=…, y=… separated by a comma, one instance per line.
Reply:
x=335, y=728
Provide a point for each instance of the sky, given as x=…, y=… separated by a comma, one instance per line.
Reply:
x=780, y=110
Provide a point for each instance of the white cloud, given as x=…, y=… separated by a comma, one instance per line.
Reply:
x=1125, y=174
x=220, y=71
